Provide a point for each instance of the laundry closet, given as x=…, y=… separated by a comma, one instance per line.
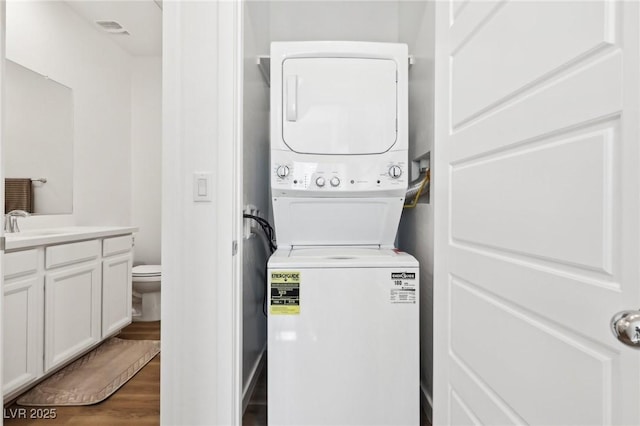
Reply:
x=534, y=198
x=411, y=23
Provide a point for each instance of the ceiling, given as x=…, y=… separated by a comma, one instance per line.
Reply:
x=142, y=19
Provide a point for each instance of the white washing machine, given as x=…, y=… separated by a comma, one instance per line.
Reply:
x=343, y=341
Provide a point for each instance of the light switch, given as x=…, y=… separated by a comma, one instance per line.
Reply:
x=202, y=186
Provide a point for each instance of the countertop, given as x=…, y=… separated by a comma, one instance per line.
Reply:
x=50, y=236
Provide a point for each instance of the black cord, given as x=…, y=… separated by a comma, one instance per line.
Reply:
x=266, y=228
x=270, y=234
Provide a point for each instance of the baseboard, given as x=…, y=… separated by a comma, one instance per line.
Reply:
x=258, y=366
x=426, y=402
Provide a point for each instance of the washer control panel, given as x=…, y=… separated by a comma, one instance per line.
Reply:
x=352, y=174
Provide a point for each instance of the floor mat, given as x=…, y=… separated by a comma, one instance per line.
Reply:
x=95, y=376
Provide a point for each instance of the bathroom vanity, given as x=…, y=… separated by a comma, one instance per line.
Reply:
x=65, y=291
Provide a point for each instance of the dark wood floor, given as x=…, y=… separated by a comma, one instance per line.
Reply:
x=135, y=403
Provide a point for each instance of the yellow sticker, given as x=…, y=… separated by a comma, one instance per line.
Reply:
x=285, y=293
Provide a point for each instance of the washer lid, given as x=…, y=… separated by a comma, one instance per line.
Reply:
x=147, y=270
x=341, y=257
x=341, y=253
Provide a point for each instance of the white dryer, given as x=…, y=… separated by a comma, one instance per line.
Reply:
x=339, y=142
x=343, y=339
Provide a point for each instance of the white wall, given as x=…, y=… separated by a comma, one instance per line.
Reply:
x=146, y=156
x=334, y=20
x=417, y=29
x=255, y=187
x=49, y=38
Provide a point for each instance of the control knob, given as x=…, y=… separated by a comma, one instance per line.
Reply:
x=395, y=172
x=334, y=181
x=282, y=171
x=320, y=182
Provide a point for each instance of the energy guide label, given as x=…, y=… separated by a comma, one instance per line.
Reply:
x=403, y=288
x=285, y=293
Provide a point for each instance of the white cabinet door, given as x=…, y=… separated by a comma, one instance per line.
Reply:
x=72, y=312
x=23, y=332
x=537, y=212
x=116, y=293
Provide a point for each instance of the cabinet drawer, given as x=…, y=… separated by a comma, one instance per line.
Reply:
x=20, y=263
x=116, y=245
x=67, y=254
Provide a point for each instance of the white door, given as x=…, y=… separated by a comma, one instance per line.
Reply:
x=537, y=202
x=339, y=105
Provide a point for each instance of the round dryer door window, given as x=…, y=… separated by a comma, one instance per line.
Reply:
x=339, y=105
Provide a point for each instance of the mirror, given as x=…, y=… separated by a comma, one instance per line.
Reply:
x=38, y=145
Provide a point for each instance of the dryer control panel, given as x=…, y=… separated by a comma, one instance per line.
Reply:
x=318, y=176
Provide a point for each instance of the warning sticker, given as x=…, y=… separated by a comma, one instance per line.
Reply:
x=403, y=288
x=285, y=293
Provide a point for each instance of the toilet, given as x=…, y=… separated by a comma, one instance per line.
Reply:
x=146, y=292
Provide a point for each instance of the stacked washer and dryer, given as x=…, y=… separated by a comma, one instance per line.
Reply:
x=343, y=326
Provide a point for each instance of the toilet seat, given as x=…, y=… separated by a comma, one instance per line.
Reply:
x=145, y=271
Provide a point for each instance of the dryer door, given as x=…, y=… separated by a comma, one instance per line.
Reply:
x=339, y=105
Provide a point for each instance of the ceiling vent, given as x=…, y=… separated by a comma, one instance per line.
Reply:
x=112, y=27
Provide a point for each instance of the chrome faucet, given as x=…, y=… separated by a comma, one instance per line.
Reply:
x=11, y=220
